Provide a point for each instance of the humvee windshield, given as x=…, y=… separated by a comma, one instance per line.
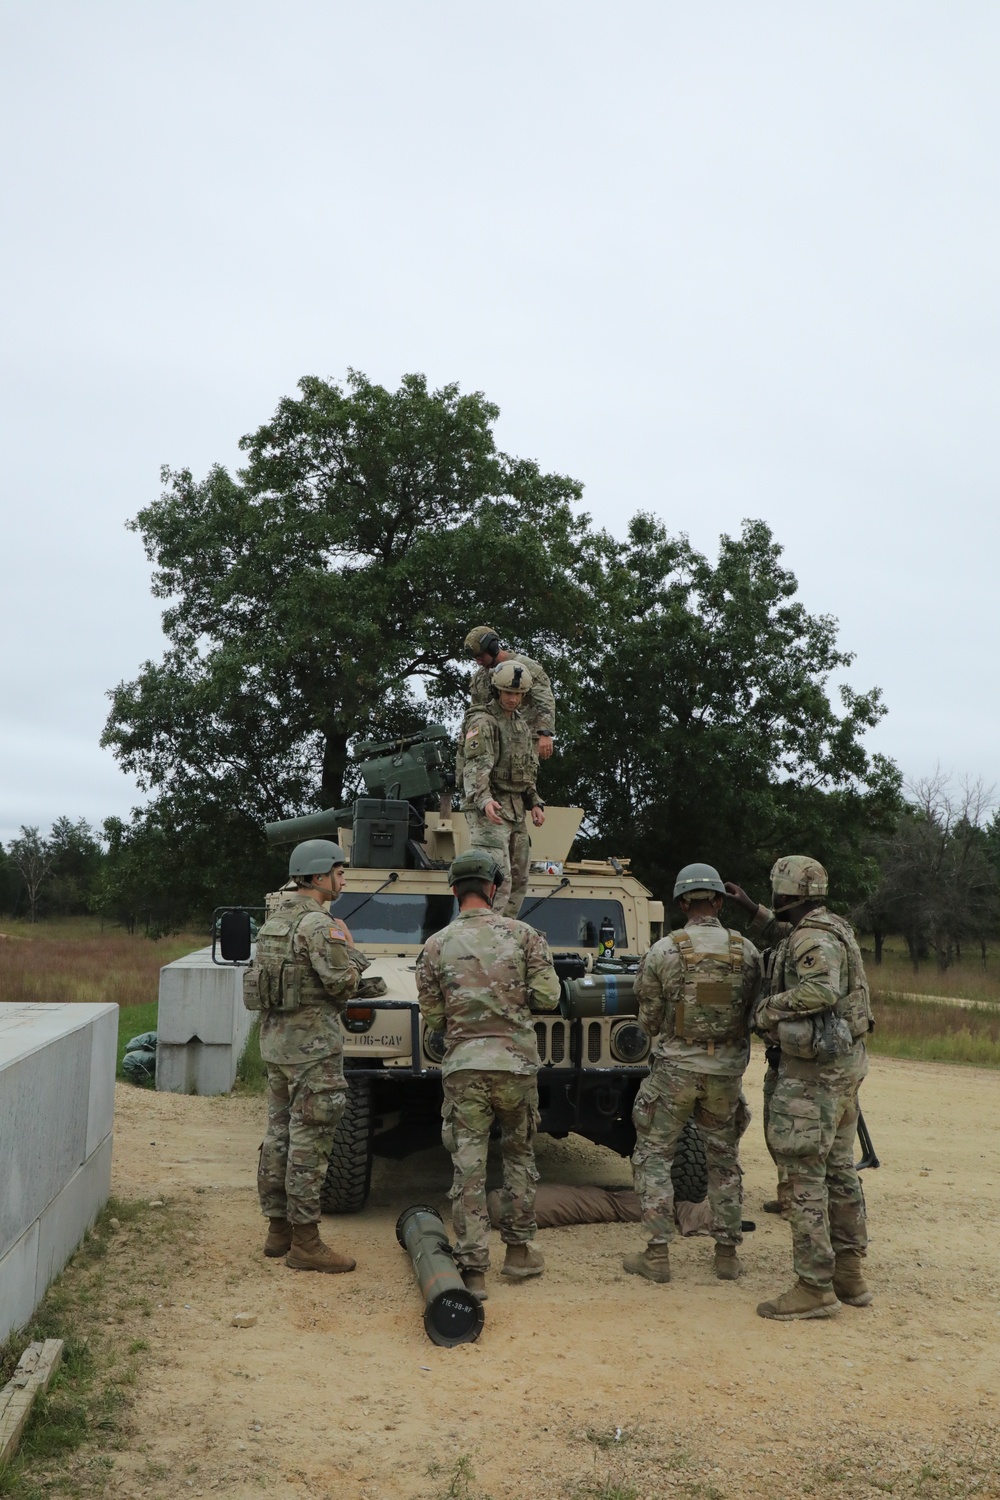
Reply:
x=411, y=920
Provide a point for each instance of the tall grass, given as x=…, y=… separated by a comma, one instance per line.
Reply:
x=936, y=1033
x=76, y=961
x=966, y=980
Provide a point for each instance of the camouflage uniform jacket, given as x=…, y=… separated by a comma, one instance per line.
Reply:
x=812, y=966
x=659, y=985
x=538, y=705
x=475, y=979
x=330, y=978
x=501, y=762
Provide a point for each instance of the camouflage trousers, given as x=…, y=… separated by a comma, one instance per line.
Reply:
x=811, y=1129
x=784, y=1192
x=666, y=1100
x=304, y=1104
x=511, y=847
x=473, y=1099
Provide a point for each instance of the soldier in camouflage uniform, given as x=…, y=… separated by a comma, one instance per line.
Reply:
x=818, y=1010
x=305, y=970
x=696, y=989
x=539, y=705
x=501, y=765
x=475, y=981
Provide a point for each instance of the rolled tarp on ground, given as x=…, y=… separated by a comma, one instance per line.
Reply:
x=452, y=1315
x=561, y=1203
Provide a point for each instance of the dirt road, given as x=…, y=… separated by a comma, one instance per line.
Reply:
x=587, y=1381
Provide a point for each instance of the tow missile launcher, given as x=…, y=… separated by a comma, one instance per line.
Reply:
x=598, y=918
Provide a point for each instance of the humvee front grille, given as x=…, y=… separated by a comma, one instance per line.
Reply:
x=594, y=1042
x=551, y=1038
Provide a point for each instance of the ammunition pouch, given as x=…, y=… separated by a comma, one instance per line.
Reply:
x=818, y=1038
x=285, y=982
x=251, y=991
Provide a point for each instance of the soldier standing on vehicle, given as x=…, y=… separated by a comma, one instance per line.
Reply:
x=501, y=766
x=475, y=982
x=539, y=706
x=819, y=1011
x=696, y=989
x=306, y=968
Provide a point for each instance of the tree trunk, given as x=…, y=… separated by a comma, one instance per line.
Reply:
x=334, y=769
x=879, y=940
x=914, y=952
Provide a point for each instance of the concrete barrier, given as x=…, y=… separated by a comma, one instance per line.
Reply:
x=57, y=1099
x=201, y=1025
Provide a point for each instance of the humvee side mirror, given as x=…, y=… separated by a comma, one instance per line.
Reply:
x=235, y=936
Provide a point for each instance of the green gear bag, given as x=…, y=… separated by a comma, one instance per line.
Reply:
x=711, y=1008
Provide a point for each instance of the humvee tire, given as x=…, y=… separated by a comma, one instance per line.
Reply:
x=349, y=1171
x=689, y=1172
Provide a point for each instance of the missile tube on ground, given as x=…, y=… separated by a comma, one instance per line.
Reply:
x=452, y=1314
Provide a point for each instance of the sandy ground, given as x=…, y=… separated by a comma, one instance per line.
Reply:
x=336, y=1391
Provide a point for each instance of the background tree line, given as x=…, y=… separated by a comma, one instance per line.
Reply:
x=320, y=596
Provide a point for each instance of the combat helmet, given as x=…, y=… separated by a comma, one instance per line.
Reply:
x=314, y=857
x=796, y=877
x=699, y=882
x=482, y=639
x=511, y=677
x=474, y=865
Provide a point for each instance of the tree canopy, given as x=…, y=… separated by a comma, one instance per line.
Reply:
x=310, y=595
x=702, y=727
x=321, y=595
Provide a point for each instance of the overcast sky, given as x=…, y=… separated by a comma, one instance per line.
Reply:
x=715, y=260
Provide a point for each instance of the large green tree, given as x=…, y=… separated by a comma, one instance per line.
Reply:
x=703, y=728
x=321, y=595
x=311, y=596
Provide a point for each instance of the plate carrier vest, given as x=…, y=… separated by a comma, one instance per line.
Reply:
x=711, y=1008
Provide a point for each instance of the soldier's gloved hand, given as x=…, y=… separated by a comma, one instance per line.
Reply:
x=544, y=746
x=494, y=812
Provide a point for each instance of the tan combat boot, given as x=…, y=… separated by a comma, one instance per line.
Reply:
x=522, y=1261
x=728, y=1266
x=803, y=1301
x=279, y=1237
x=475, y=1282
x=848, y=1282
x=308, y=1252
x=653, y=1262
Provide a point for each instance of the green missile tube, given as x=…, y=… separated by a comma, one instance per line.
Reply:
x=452, y=1315
x=317, y=825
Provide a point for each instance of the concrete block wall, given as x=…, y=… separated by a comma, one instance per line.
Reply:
x=57, y=1096
x=201, y=1025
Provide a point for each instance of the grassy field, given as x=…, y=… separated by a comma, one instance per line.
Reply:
x=76, y=960
x=927, y=1029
